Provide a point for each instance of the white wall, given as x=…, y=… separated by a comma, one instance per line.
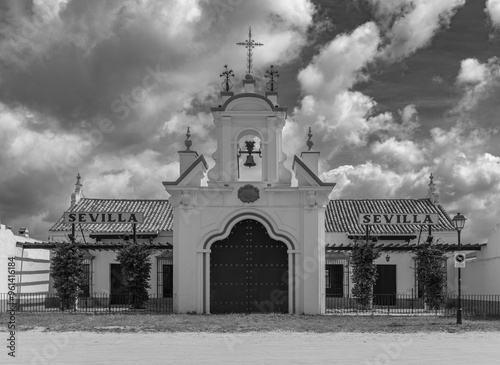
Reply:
x=101, y=271
x=405, y=280
x=101, y=280
x=482, y=276
x=205, y=221
x=32, y=265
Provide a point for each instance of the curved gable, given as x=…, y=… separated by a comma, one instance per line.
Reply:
x=248, y=102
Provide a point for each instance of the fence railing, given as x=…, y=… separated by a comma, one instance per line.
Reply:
x=387, y=304
x=98, y=302
x=402, y=304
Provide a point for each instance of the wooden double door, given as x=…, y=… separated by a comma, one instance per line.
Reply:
x=248, y=271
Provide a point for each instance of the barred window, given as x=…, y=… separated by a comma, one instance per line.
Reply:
x=337, y=276
x=165, y=275
x=86, y=287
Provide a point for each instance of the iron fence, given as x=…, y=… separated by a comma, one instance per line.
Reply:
x=408, y=304
x=400, y=304
x=94, y=303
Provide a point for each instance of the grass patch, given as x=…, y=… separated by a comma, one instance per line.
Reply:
x=238, y=323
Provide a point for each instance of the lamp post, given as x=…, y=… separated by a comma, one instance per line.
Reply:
x=459, y=223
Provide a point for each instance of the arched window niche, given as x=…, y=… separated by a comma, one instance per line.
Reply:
x=250, y=164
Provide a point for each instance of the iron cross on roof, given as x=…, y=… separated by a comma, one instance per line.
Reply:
x=249, y=44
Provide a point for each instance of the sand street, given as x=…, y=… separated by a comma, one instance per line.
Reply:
x=36, y=347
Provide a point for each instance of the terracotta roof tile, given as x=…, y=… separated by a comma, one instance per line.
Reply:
x=342, y=215
x=449, y=247
x=97, y=245
x=157, y=215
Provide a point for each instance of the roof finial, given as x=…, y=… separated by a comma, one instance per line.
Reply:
x=272, y=85
x=432, y=195
x=249, y=44
x=309, y=143
x=188, y=143
x=78, y=194
x=226, y=84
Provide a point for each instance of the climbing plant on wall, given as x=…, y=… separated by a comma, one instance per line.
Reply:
x=67, y=271
x=136, y=269
x=364, y=271
x=430, y=264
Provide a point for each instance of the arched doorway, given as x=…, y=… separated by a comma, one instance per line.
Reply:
x=248, y=271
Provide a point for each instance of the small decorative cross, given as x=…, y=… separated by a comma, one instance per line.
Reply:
x=226, y=84
x=272, y=85
x=249, y=44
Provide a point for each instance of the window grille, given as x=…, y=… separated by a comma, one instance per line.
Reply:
x=165, y=273
x=86, y=287
x=337, y=277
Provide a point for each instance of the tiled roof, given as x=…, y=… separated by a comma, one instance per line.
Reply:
x=97, y=245
x=342, y=215
x=157, y=215
x=449, y=247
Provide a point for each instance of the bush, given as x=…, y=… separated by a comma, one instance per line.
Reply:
x=364, y=272
x=67, y=271
x=431, y=272
x=136, y=268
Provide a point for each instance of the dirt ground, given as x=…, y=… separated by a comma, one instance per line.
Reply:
x=37, y=347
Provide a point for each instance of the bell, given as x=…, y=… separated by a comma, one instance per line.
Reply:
x=249, y=162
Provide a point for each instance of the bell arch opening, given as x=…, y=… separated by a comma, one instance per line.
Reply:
x=249, y=271
x=250, y=161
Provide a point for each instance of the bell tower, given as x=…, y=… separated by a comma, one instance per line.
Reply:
x=241, y=244
x=249, y=115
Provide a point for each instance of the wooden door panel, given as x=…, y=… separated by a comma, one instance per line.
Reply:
x=248, y=271
x=385, y=287
x=117, y=289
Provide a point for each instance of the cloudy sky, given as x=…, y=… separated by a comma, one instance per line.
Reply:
x=393, y=89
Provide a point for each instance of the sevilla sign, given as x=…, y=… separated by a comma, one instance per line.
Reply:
x=398, y=218
x=100, y=217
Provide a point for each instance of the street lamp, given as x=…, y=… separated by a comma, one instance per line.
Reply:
x=459, y=223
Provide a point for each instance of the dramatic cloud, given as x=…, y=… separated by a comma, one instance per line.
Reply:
x=493, y=11
x=477, y=80
x=339, y=113
x=404, y=155
x=411, y=24
x=133, y=175
x=397, y=164
x=371, y=180
x=109, y=88
x=88, y=59
x=468, y=179
x=337, y=66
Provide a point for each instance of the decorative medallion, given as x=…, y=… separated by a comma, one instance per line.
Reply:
x=248, y=193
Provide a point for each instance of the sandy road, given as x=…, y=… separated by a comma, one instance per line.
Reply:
x=35, y=347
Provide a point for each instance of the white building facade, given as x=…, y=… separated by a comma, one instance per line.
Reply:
x=249, y=245
x=240, y=237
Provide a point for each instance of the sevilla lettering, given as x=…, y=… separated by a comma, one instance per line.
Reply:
x=99, y=217
x=395, y=218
